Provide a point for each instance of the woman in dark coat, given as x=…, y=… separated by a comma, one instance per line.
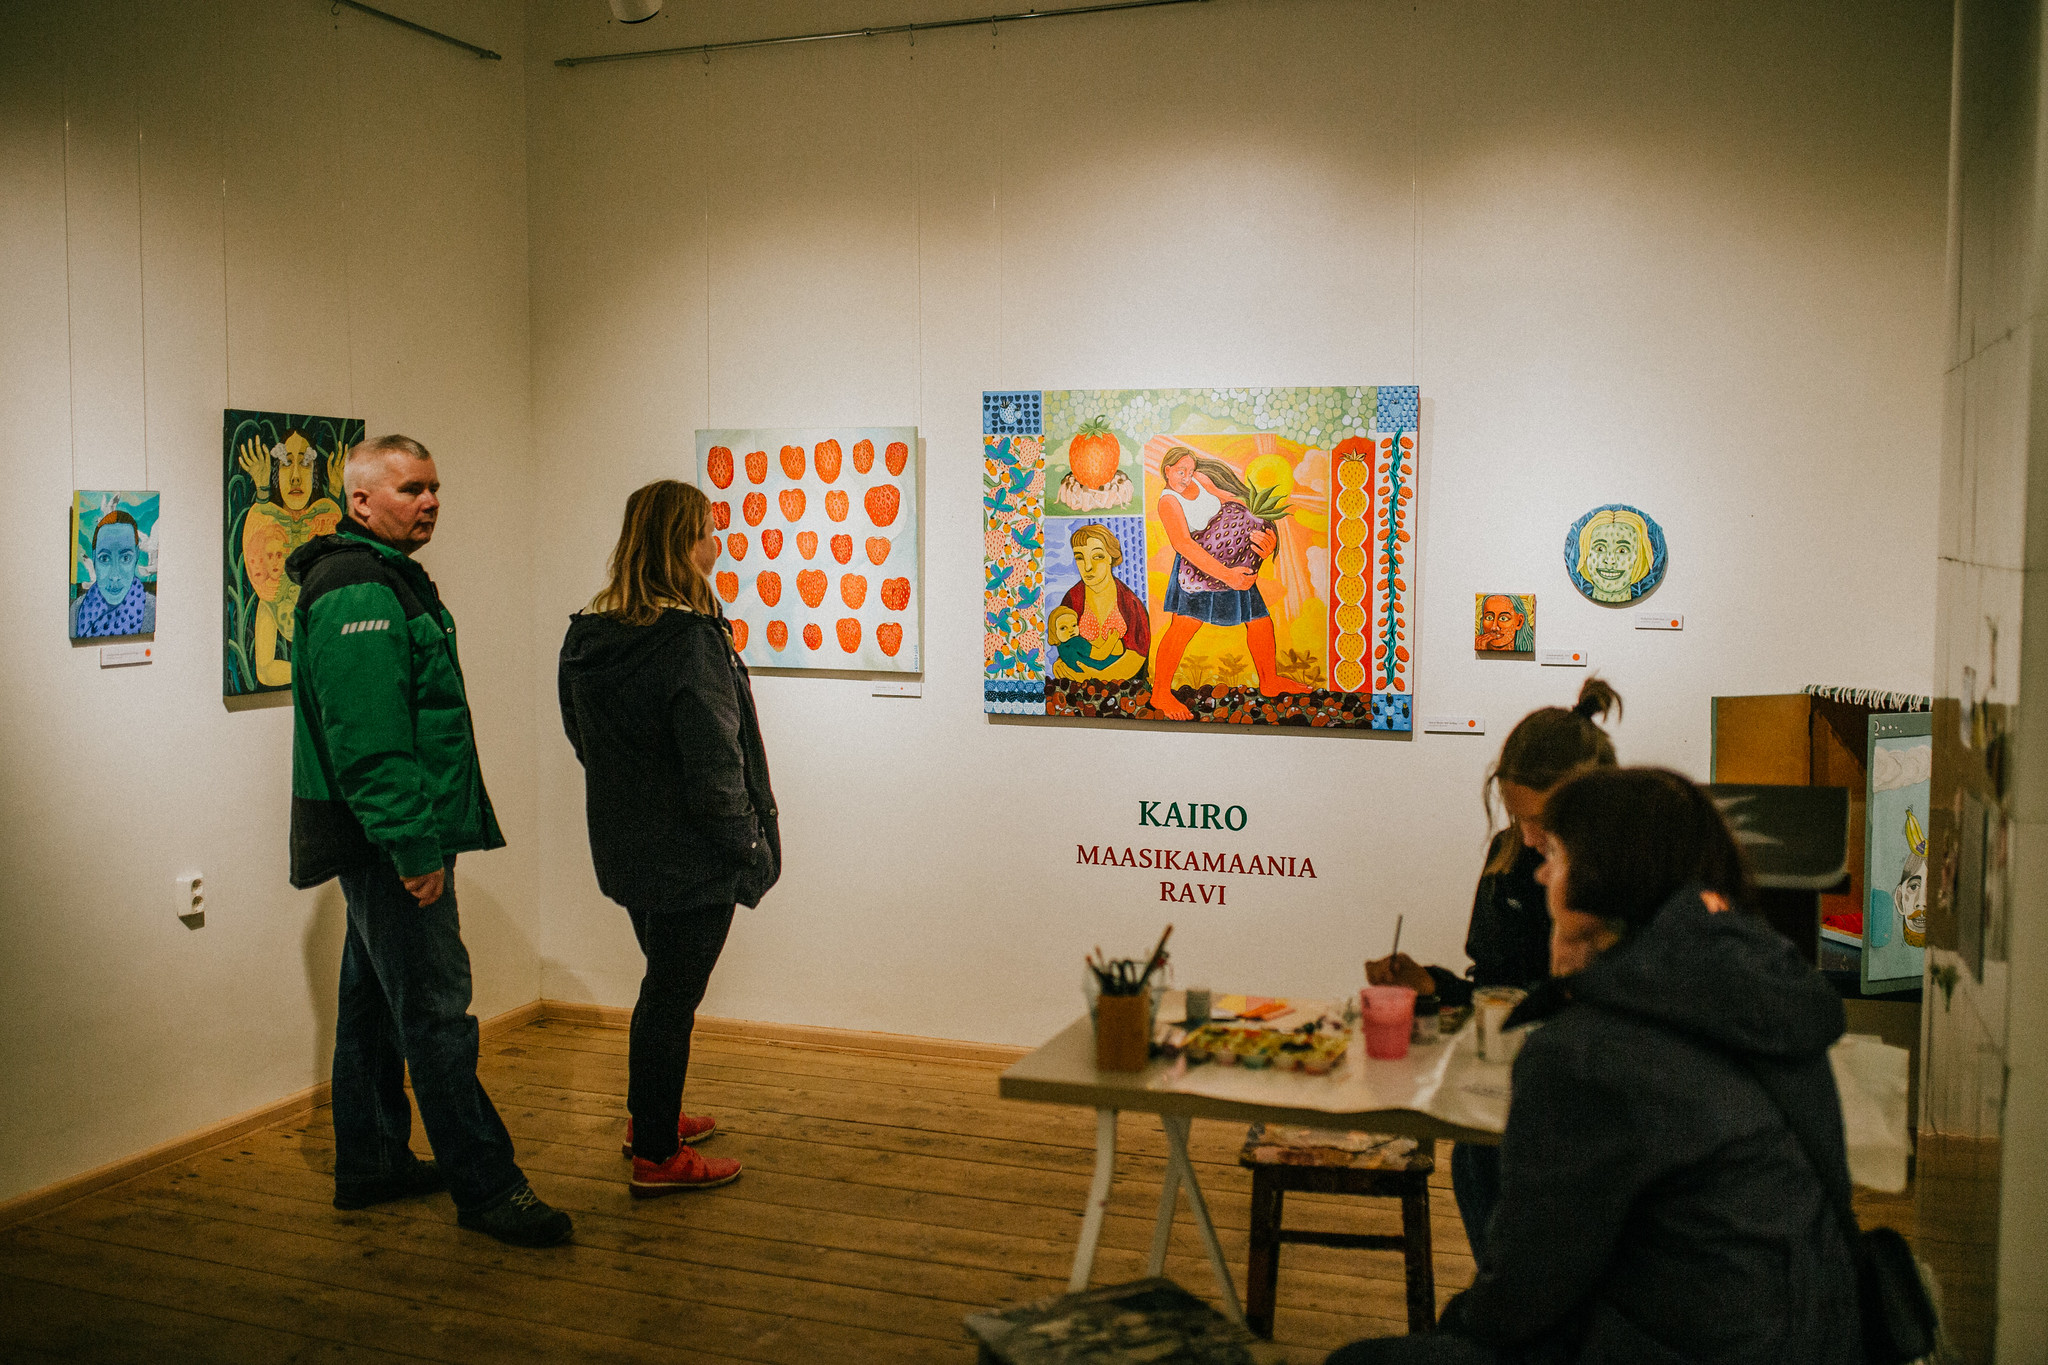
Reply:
x=1657, y=1204
x=682, y=819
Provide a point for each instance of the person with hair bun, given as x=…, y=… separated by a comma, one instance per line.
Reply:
x=1508, y=939
x=1674, y=1159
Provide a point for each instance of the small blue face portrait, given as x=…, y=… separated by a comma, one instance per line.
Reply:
x=114, y=556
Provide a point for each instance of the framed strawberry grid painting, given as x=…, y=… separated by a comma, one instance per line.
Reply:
x=818, y=548
x=1220, y=556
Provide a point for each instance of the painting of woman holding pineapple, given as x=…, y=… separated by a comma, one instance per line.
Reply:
x=1226, y=540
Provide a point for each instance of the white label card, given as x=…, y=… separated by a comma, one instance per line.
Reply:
x=899, y=689
x=1652, y=620
x=1562, y=658
x=1454, y=725
x=120, y=656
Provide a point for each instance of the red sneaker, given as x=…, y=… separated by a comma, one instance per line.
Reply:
x=688, y=1169
x=687, y=1130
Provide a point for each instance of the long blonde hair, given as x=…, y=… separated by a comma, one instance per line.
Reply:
x=650, y=567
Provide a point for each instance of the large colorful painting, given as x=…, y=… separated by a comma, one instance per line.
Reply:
x=113, y=564
x=1224, y=556
x=282, y=487
x=818, y=553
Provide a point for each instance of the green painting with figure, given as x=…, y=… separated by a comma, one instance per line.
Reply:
x=281, y=487
x=1210, y=556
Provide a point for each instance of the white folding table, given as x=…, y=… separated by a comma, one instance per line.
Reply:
x=1380, y=1097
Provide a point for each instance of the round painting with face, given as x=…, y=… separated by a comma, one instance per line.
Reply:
x=1615, y=554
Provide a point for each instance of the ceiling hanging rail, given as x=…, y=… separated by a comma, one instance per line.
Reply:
x=482, y=52
x=879, y=31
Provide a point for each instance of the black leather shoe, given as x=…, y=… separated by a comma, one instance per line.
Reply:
x=423, y=1178
x=520, y=1219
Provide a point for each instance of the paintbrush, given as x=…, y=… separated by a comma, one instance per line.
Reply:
x=1152, y=962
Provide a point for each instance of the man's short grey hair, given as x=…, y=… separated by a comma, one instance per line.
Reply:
x=364, y=454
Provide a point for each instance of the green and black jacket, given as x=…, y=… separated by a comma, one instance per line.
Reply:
x=383, y=754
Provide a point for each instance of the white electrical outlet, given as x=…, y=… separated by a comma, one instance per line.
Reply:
x=191, y=896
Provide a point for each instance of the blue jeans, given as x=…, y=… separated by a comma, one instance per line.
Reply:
x=1475, y=1180
x=405, y=996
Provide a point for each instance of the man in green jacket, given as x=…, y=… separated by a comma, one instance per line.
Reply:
x=386, y=790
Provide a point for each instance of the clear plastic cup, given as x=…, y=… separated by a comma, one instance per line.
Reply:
x=1389, y=1015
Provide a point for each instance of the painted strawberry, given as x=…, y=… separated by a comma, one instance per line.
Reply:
x=757, y=465
x=889, y=635
x=739, y=633
x=721, y=514
x=849, y=634
x=792, y=500
x=718, y=464
x=807, y=543
x=878, y=549
x=836, y=504
x=1093, y=453
x=793, y=461
x=853, y=589
x=882, y=503
x=842, y=549
x=754, y=508
x=826, y=457
x=729, y=586
x=897, y=457
x=778, y=635
x=769, y=584
x=736, y=544
x=771, y=542
x=863, y=456
x=810, y=585
x=813, y=637
x=895, y=593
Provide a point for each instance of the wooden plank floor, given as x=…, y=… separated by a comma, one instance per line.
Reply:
x=884, y=1199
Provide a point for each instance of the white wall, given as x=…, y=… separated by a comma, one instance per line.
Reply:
x=1985, y=1118
x=1688, y=258
x=368, y=259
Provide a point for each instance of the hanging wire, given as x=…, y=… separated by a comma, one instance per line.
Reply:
x=879, y=31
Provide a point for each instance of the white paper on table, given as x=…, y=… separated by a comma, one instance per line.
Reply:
x=1445, y=1080
x=1448, y=1081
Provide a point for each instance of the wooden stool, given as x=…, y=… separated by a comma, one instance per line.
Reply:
x=1321, y=1161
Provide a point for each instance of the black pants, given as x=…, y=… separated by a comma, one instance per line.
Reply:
x=682, y=946
x=1475, y=1180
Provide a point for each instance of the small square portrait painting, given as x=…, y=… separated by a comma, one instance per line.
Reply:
x=1504, y=622
x=113, y=564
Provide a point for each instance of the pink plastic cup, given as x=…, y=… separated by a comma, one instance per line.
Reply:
x=1389, y=1013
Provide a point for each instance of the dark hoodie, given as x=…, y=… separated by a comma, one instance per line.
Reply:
x=1655, y=1205
x=675, y=777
